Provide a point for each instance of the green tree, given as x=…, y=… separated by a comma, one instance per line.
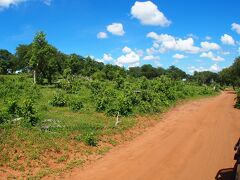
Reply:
x=22, y=55
x=7, y=62
x=43, y=60
x=176, y=73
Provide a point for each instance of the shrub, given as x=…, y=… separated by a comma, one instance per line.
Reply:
x=237, y=105
x=3, y=117
x=76, y=105
x=59, y=100
x=29, y=114
x=90, y=139
x=12, y=107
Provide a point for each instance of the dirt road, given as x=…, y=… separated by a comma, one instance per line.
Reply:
x=192, y=142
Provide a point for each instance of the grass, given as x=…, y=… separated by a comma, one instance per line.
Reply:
x=61, y=141
x=25, y=148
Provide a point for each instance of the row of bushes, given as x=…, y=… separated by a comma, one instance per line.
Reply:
x=142, y=95
x=60, y=100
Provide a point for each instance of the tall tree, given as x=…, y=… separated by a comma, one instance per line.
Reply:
x=43, y=59
x=6, y=61
x=176, y=73
x=22, y=54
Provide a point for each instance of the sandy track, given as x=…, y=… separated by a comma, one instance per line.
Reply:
x=192, y=142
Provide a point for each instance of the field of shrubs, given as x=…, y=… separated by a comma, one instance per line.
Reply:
x=64, y=123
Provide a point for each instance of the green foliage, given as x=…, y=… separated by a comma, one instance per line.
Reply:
x=76, y=105
x=59, y=99
x=18, y=88
x=143, y=96
x=28, y=112
x=237, y=105
x=90, y=139
x=12, y=107
x=4, y=116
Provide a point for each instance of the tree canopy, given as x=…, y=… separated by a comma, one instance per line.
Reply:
x=46, y=62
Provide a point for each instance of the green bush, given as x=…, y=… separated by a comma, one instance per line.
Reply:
x=28, y=113
x=59, y=100
x=142, y=95
x=4, y=117
x=76, y=105
x=89, y=139
x=12, y=107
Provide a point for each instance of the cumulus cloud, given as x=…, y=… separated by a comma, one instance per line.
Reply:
x=126, y=50
x=211, y=56
x=227, y=39
x=151, y=58
x=106, y=58
x=102, y=35
x=116, y=29
x=167, y=42
x=206, y=46
x=236, y=27
x=149, y=14
x=130, y=58
x=179, y=56
x=213, y=68
x=8, y=3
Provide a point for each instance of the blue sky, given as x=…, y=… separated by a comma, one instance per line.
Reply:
x=193, y=35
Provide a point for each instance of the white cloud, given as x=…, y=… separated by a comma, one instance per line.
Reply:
x=239, y=50
x=208, y=38
x=126, y=50
x=179, y=56
x=47, y=2
x=206, y=46
x=228, y=40
x=139, y=52
x=106, y=58
x=193, y=36
x=151, y=58
x=8, y=3
x=236, y=27
x=116, y=29
x=129, y=58
x=213, y=68
x=225, y=53
x=211, y=56
x=149, y=14
x=102, y=35
x=168, y=42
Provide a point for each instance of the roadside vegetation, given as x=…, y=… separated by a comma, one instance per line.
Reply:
x=238, y=99
x=61, y=111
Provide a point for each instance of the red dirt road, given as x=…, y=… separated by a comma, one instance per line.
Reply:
x=192, y=142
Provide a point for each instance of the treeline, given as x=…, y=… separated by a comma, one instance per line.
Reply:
x=47, y=64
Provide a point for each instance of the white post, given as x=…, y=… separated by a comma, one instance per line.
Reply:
x=34, y=77
x=117, y=120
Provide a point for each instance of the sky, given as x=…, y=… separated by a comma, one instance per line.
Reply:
x=192, y=35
